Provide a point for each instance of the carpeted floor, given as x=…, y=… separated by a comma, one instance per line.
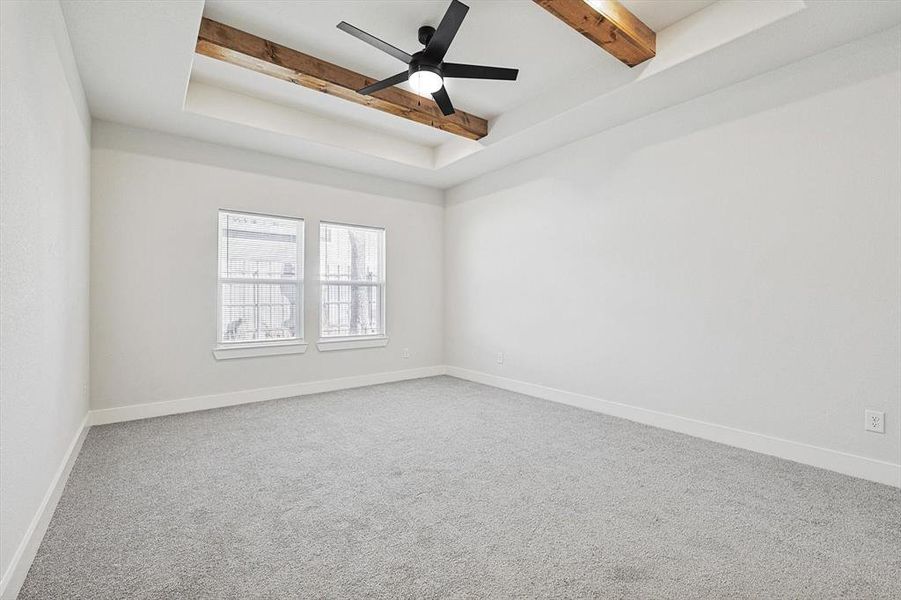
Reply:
x=441, y=488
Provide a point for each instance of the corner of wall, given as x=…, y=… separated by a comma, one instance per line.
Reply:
x=73, y=75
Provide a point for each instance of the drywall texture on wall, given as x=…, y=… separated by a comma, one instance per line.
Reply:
x=154, y=265
x=44, y=219
x=733, y=260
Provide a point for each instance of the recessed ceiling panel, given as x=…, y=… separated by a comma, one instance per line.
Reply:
x=504, y=34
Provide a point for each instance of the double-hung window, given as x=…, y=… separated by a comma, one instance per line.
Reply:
x=260, y=285
x=352, y=278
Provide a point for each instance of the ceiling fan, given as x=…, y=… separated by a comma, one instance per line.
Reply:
x=426, y=69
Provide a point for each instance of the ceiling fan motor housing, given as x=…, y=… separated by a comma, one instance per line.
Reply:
x=425, y=34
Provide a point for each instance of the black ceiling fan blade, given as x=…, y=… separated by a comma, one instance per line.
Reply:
x=478, y=72
x=384, y=83
x=447, y=29
x=375, y=42
x=443, y=102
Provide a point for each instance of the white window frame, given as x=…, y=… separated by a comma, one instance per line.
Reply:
x=370, y=340
x=227, y=349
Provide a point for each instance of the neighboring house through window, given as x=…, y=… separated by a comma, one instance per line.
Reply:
x=260, y=279
x=352, y=274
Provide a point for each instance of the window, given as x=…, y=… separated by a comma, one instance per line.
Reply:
x=260, y=281
x=352, y=273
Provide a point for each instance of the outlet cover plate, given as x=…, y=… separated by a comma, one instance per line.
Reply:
x=874, y=420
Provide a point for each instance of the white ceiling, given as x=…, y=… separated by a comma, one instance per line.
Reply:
x=137, y=64
x=660, y=14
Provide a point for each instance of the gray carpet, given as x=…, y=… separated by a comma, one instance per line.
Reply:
x=441, y=488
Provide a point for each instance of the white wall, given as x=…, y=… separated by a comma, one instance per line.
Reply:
x=44, y=203
x=154, y=262
x=733, y=260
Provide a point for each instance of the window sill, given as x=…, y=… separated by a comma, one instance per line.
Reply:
x=352, y=343
x=259, y=349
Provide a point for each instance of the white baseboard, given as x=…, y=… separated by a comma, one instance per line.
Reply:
x=834, y=460
x=15, y=574
x=183, y=405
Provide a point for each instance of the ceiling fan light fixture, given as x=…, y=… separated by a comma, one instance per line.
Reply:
x=425, y=81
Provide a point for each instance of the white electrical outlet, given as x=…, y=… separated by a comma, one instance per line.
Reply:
x=500, y=358
x=874, y=420
x=406, y=353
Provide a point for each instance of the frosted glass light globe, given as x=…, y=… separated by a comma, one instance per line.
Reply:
x=426, y=83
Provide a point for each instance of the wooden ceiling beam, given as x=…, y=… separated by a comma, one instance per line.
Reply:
x=608, y=24
x=263, y=56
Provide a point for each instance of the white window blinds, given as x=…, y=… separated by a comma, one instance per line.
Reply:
x=352, y=273
x=260, y=278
